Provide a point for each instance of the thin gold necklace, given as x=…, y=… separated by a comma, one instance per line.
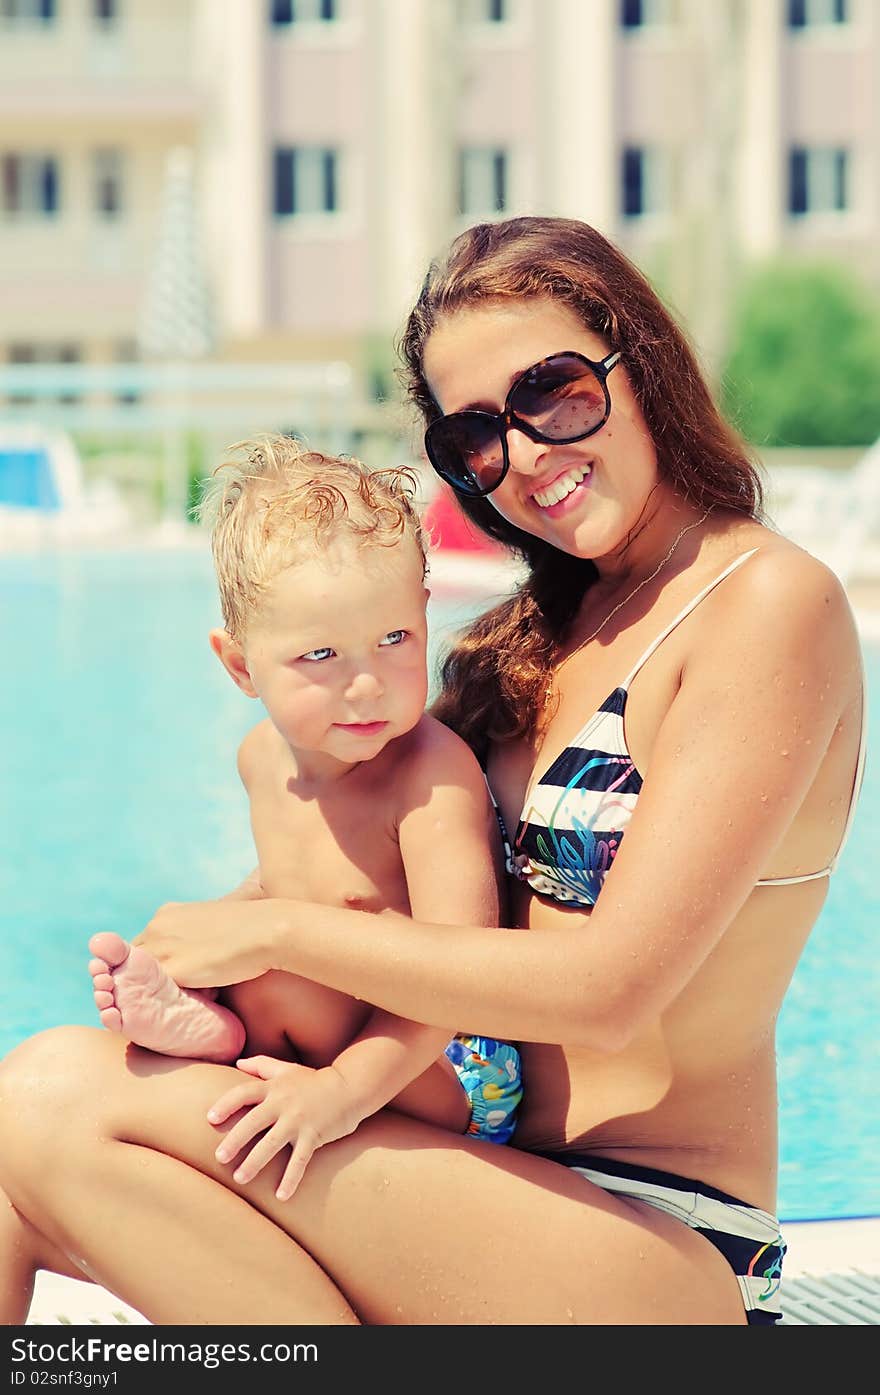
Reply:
x=548, y=691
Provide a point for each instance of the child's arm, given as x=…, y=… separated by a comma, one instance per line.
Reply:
x=449, y=837
x=450, y=847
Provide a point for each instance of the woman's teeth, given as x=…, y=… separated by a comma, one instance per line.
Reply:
x=562, y=487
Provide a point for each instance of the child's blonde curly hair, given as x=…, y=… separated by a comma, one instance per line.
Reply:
x=277, y=502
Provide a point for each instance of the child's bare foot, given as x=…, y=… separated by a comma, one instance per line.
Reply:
x=136, y=997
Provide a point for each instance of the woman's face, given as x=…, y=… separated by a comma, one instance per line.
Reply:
x=470, y=361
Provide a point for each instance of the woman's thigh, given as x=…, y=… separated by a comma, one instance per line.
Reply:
x=413, y=1224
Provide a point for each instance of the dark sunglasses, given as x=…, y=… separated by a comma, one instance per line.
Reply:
x=562, y=399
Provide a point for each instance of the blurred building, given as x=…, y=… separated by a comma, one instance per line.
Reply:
x=339, y=143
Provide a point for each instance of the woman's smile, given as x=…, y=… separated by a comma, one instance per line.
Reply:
x=564, y=490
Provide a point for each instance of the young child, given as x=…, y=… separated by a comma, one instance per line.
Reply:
x=357, y=798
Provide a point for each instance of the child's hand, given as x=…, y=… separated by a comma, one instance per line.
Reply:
x=295, y=1104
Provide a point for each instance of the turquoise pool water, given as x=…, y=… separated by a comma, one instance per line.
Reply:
x=117, y=767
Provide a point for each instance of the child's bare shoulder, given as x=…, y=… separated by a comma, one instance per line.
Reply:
x=254, y=749
x=433, y=752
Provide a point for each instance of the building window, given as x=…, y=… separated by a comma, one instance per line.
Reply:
x=482, y=182
x=632, y=182
x=306, y=180
x=107, y=183
x=67, y=353
x=643, y=182
x=47, y=354
x=28, y=11
x=483, y=11
x=805, y=14
x=126, y=354
x=28, y=185
x=20, y=354
x=817, y=181
x=639, y=14
x=303, y=11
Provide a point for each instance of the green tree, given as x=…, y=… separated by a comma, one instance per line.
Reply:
x=804, y=366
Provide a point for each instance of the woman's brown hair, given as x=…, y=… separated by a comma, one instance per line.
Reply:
x=495, y=677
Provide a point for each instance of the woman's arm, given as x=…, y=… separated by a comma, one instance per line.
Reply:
x=773, y=669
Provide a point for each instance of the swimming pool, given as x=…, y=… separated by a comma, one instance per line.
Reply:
x=120, y=791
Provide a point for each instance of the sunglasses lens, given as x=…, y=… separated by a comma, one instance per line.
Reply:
x=466, y=451
x=561, y=398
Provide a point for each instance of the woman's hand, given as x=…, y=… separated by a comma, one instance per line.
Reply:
x=207, y=944
x=289, y=1104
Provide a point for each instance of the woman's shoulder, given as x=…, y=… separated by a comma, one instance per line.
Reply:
x=783, y=574
x=784, y=597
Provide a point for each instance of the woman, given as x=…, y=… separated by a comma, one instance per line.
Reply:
x=671, y=713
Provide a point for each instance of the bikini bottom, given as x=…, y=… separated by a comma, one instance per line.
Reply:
x=747, y=1237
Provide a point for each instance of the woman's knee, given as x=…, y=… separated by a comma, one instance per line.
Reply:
x=44, y=1084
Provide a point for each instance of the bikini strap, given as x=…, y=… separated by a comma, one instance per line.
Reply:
x=502, y=827
x=683, y=614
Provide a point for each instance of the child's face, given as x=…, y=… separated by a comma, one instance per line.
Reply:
x=337, y=653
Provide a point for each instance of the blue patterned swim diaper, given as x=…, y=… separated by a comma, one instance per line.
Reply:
x=491, y=1077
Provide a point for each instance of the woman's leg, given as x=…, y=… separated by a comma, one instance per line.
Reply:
x=134, y=1218
x=414, y=1226
x=22, y=1252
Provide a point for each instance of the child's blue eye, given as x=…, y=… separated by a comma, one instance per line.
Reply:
x=394, y=637
x=317, y=656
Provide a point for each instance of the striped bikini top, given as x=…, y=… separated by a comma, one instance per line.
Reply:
x=575, y=816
